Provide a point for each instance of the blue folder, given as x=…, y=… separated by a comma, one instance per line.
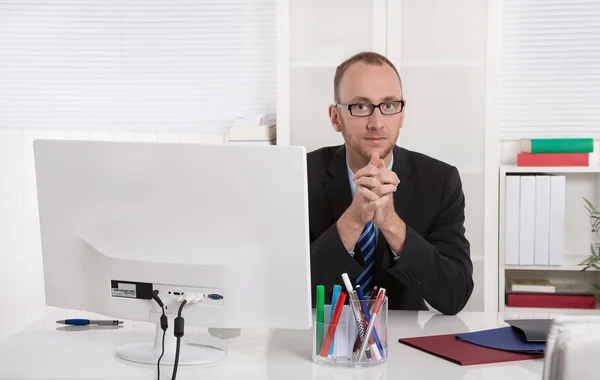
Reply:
x=505, y=339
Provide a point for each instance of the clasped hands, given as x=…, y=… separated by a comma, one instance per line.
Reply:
x=374, y=199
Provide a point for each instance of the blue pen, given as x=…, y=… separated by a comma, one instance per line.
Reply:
x=85, y=322
x=365, y=309
x=336, y=292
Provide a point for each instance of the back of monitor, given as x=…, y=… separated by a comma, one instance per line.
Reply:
x=121, y=218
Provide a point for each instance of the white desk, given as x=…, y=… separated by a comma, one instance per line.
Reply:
x=43, y=352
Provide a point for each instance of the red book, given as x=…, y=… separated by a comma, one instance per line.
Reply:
x=463, y=353
x=553, y=159
x=559, y=301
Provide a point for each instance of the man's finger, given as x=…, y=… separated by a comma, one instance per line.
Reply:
x=385, y=189
x=367, y=193
x=387, y=176
x=374, y=158
x=367, y=171
x=368, y=182
x=381, y=201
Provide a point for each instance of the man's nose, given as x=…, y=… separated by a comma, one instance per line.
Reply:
x=376, y=119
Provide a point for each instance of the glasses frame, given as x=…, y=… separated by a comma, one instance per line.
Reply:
x=349, y=107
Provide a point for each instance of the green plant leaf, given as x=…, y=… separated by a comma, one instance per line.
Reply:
x=591, y=206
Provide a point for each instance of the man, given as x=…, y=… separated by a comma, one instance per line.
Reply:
x=387, y=216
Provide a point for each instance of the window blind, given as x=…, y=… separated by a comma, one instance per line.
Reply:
x=550, y=69
x=160, y=65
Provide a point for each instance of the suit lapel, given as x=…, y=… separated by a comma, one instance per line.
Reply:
x=403, y=193
x=337, y=187
x=338, y=190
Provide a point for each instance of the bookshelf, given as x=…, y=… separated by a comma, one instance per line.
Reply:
x=570, y=264
x=580, y=182
x=514, y=169
x=550, y=311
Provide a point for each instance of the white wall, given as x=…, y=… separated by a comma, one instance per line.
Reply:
x=442, y=53
x=21, y=278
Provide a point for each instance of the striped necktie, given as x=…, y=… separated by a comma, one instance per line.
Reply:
x=366, y=243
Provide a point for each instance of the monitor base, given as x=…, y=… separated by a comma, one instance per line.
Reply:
x=189, y=353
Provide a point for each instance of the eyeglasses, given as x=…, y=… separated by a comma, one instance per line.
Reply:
x=365, y=109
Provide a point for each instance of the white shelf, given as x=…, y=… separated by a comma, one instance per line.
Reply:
x=570, y=264
x=509, y=309
x=593, y=168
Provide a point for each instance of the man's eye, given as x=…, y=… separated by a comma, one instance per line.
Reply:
x=389, y=106
x=361, y=106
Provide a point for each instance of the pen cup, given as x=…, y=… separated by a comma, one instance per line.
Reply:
x=340, y=344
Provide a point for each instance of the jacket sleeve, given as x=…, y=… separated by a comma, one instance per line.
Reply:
x=329, y=259
x=438, y=265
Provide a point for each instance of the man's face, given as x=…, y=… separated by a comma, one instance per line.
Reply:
x=369, y=84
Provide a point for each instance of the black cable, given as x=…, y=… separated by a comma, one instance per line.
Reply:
x=164, y=325
x=179, y=324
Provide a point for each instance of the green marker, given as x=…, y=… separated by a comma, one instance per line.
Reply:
x=320, y=316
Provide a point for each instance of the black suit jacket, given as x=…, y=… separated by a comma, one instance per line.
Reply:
x=435, y=264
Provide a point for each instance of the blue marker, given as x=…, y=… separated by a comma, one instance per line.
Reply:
x=336, y=292
x=365, y=309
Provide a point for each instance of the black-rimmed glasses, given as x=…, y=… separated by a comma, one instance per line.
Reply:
x=390, y=107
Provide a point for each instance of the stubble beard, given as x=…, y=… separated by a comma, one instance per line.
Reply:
x=355, y=143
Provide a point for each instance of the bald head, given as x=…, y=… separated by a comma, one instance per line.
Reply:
x=366, y=58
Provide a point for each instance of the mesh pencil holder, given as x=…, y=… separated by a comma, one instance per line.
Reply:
x=343, y=343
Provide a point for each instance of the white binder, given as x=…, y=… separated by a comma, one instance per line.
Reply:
x=511, y=222
x=542, y=220
x=557, y=220
x=527, y=218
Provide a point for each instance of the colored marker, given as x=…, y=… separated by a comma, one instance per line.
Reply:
x=355, y=308
x=372, y=297
x=378, y=350
x=376, y=309
x=371, y=302
x=333, y=325
x=320, y=315
x=336, y=292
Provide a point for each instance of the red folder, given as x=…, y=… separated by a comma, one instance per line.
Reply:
x=552, y=300
x=553, y=159
x=449, y=348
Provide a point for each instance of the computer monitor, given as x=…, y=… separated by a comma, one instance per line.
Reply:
x=121, y=219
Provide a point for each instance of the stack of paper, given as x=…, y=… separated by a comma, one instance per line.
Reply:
x=252, y=131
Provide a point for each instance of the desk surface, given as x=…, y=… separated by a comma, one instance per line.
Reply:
x=44, y=351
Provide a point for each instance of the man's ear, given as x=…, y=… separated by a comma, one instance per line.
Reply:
x=334, y=116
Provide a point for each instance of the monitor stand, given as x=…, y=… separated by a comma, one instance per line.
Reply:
x=189, y=353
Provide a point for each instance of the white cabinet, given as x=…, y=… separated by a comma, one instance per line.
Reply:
x=580, y=182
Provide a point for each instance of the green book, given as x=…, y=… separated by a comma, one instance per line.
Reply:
x=584, y=145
